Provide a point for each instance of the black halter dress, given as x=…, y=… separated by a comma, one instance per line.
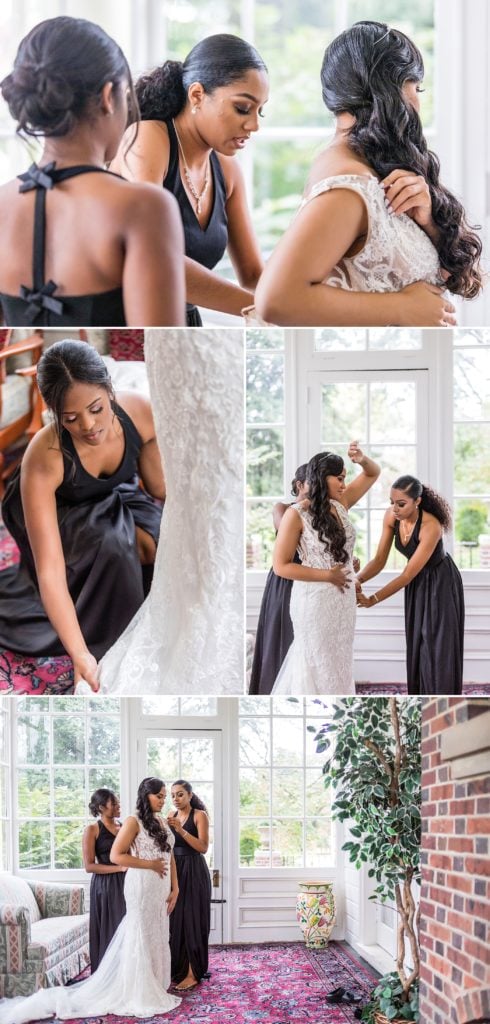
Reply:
x=434, y=620
x=107, y=903
x=204, y=245
x=274, y=632
x=39, y=306
x=191, y=920
x=97, y=517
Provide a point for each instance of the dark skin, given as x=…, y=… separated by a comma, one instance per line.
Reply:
x=177, y=819
x=102, y=233
x=109, y=812
x=99, y=440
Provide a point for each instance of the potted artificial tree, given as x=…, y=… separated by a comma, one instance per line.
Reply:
x=373, y=763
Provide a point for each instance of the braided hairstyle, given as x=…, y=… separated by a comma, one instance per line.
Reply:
x=152, y=824
x=59, y=72
x=330, y=530
x=430, y=500
x=363, y=73
x=215, y=61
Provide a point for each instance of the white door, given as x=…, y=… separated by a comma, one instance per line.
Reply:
x=386, y=926
x=193, y=755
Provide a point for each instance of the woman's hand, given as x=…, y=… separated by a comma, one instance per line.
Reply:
x=406, y=192
x=158, y=865
x=356, y=564
x=423, y=305
x=365, y=602
x=174, y=823
x=172, y=900
x=85, y=668
x=340, y=576
x=355, y=453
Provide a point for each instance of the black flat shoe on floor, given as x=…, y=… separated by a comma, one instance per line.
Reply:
x=336, y=995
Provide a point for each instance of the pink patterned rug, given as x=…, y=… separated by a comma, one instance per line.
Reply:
x=270, y=984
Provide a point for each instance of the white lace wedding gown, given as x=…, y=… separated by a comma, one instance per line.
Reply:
x=134, y=974
x=396, y=253
x=320, y=659
x=187, y=637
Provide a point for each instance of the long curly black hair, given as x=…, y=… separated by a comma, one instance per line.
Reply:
x=152, y=824
x=363, y=73
x=430, y=500
x=324, y=521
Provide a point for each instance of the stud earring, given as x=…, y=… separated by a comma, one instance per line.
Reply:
x=193, y=110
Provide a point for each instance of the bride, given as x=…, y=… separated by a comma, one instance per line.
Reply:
x=323, y=599
x=378, y=237
x=187, y=637
x=133, y=976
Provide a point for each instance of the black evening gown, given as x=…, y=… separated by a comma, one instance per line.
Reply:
x=191, y=920
x=97, y=517
x=40, y=305
x=274, y=633
x=107, y=904
x=204, y=245
x=434, y=621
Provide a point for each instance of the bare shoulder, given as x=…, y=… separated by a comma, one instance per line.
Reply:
x=389, y=518
x=43, y=454
x=146, y=139
x=430, y=522
x=333, y=163
x=138, y=408
x=232, y=173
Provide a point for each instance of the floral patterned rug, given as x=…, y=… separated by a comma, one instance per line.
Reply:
x=274, y=983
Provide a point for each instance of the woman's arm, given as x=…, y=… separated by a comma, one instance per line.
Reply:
x=365, y=480
x=147, y=161
x=291, y=292
x=174, y=886
x=122, y=844
x=201, y=842
x=41, y=475
x=150, y=466
x=153, y=274
x=430, y=535
x=287, y=541
x=277, y=513
x=90, y=864
x=380, y=559
x=243, y=246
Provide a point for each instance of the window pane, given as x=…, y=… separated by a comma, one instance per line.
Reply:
x=254, y=843
x=472, y=458
x=4, y=850
x=260, y=535
x=104, y=743
x=329, y=339
x=69, y=740
x=287, y=791
x=393, y=338
x=265, y=388
x=287, y=706
x=318, y=843
x=198, y=706
x=197, y=758
x=344, y=412
x=160, y=705
x=163, y=758
x=271, y=338
x=265, y=462
x=472, y=533
x=104, y=778
x=34, y=845
x=395, y=461
x=472, y=384
x=255, y=742
x=33, y=793
x=254, y=705
x=254, y=791
x=68, y=844
x=287, y=843
x=317, y=796
x=69, y=793
x=287, y=743
x=392, y=411
x=281, y=168
x=33, y=739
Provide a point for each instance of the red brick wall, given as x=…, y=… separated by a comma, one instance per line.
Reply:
x=455, y=898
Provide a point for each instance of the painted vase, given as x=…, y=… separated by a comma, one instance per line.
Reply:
x=315, y=912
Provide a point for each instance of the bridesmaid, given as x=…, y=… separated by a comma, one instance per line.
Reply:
x=195, y=117
x=275, y=629
x=434, y=597
x=80, y=246
x=191, y=918
x=107, y=905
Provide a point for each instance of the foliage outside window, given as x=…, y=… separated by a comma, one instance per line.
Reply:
x=472, y=448
x=66, y=748
x=284, y=810
x=4, y=783
x=265, y=441
x=175, y=706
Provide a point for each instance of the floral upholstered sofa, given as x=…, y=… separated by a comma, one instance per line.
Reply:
x=43, y=934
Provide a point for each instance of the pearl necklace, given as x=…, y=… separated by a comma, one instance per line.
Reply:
x=198, y=196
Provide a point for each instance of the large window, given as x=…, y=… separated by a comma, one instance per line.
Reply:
x=284, y=806
x=66, y=748
x=472, y=448
x=4, y=784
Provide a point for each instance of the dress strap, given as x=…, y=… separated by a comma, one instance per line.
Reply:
x=41, y=296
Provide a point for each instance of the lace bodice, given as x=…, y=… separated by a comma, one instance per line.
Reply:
x=145, y=847
x=311, y=550
x=396, y=253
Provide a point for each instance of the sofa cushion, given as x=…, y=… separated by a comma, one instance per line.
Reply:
x=16, y=890
x=55, y=938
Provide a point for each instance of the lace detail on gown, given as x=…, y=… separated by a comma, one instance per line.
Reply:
x=134, y=973
x=320, y=659
x=396, y=252
x=188, y=635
